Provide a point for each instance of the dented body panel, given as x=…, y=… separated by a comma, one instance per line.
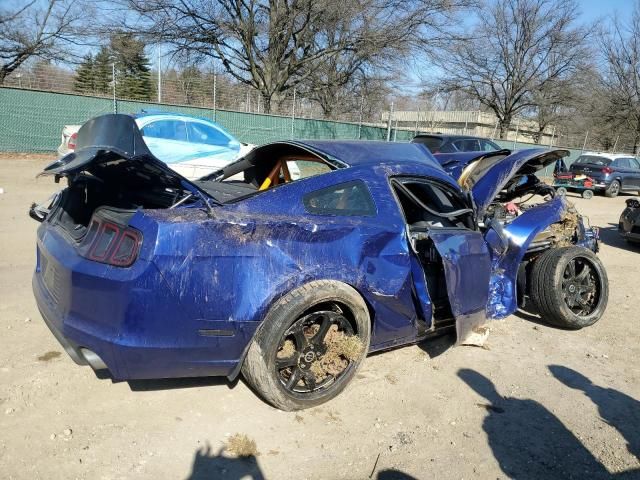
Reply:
x=206, y=276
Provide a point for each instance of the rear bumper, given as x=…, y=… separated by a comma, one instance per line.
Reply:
x=127, y=320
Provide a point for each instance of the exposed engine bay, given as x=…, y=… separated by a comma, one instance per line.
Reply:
x=526, y=192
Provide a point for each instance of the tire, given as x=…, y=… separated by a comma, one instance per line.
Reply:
x=587, y=194
x=613, y=189
x=561, y=191
x=559, y=296
x=318, y=299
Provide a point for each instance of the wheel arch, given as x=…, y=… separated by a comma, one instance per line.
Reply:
x=277, y=297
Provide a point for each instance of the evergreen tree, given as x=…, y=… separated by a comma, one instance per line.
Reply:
x=102, y=71
x=133, y=79
x=85, y=81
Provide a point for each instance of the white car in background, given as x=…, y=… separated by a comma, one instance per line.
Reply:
x=193, y=147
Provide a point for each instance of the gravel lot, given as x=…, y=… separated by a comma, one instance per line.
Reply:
x=537, y=402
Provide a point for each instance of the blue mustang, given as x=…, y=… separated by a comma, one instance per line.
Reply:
x=149, y=275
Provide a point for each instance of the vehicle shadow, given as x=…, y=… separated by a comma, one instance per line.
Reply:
x=609, y=236
x=527, y=440
x=437, y=345
x=156, y=384
x=211, y=466
x=393, y=474
x=178, y=383
x=618, y=409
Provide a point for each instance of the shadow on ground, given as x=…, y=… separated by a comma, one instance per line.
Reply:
x=527, y=440
x=211, y=466
x=530, y=442
x=436, y=346
x=178, y=383
x=618, y=409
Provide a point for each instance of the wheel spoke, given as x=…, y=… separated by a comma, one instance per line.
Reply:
x=572, y=268
x=300, y=337
x=583, y=274
x=294, y=378
x=324, y=328
x=286, y=362
x=309, y=380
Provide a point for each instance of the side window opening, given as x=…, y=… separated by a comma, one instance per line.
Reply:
x=345, y=199
x=428, y=205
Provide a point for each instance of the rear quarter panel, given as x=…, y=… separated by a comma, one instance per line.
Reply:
x=233, y=266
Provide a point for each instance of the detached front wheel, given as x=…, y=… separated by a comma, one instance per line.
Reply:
x=309, y=346
x=569, y=286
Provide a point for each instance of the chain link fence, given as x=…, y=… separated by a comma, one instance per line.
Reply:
x=37, y=103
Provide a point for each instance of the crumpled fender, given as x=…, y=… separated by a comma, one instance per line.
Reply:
x=505, y=262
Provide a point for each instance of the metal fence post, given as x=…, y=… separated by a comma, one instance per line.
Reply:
x=360, y=119
x=389, y=123
x=515, y=141
x=113, y=81
x=584, y=145
x=293, y=114
x=395, y=131
x=495, y=129
x=214, y=96
x=159, y=78
x=553, y=133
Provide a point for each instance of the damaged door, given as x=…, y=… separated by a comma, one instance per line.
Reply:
x=452, y=252
x=467, y=268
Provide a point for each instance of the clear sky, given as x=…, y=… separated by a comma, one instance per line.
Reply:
x=594, y=9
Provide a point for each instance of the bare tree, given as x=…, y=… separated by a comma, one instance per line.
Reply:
x=37, y=29
x=519, y=47
x=621, y=76
x=276, y=45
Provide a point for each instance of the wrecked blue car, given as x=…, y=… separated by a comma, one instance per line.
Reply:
x=293, y=281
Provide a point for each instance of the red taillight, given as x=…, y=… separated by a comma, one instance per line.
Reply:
x=607, y=170
x=71, y=144
x=112, y=244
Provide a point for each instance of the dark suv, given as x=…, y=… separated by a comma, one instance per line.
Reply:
x=438, y=143
x=612, y=172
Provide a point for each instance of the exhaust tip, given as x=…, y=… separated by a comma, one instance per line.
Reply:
x=93, y=359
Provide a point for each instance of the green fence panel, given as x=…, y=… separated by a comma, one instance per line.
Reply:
x=32, y=121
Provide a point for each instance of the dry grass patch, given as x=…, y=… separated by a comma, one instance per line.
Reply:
x=241, y=446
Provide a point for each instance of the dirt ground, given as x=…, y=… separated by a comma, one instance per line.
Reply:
x=538, y=402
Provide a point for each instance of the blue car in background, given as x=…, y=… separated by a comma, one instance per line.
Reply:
x=292, y=281
x=191, y=146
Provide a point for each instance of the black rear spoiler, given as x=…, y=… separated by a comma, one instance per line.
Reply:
x=115, y=134
x=111, y=148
